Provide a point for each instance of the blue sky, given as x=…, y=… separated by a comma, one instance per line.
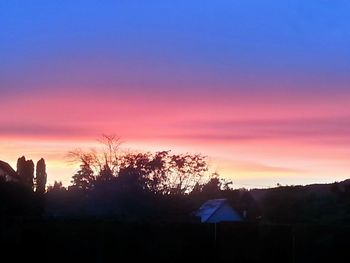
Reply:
x=226, y=39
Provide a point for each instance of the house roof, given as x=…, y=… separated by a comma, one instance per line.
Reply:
x=8, y=170
x=209, y=208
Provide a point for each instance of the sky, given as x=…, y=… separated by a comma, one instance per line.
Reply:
x=260, y=87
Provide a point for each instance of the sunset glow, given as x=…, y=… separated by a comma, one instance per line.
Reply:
x=261, y=89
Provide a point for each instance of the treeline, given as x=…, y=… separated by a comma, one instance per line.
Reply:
x=125, y=185
x=160, y=172
x=161, y=186
x=135, y=186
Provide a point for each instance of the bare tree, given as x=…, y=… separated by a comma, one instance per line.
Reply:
x=105, y=158
x=110, y=152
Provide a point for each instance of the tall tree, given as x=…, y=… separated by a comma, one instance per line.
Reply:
x=25, y=170
x=21, y=167
x=84, y=179
x=41, y=176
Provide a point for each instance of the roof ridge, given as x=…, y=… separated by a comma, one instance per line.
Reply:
x=8, y=168
x=217, y=208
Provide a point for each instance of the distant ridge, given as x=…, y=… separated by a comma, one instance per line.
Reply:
x=258, y=194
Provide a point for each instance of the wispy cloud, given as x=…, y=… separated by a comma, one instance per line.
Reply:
x=325, y=129
x=42, y=130
x=259, y=167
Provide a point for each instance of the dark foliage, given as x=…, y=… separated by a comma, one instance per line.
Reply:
x=41, y=176
x=303, y=204
x=18, y=200
x=131, y=210
x=159, y=172
x=25, y=170
x=84, y=178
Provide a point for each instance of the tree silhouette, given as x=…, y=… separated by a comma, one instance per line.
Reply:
x=185, y=172
x=98, y=159
x=160, y=172
x=105, y=174
x=131, y=179
x=84, y=178
x=25, y=170
x=41, y=176
x=56, y=187
x=166, y=173
x=212, y=188
x=21, y=167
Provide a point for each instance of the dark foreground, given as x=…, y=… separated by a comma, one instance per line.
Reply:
x=80, y=240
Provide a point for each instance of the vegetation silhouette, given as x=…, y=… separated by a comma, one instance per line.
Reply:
x=134, y=186
x=160, y=172
x=25, y=170
x=140, y=206
x=17, y=196
x=41, y=176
